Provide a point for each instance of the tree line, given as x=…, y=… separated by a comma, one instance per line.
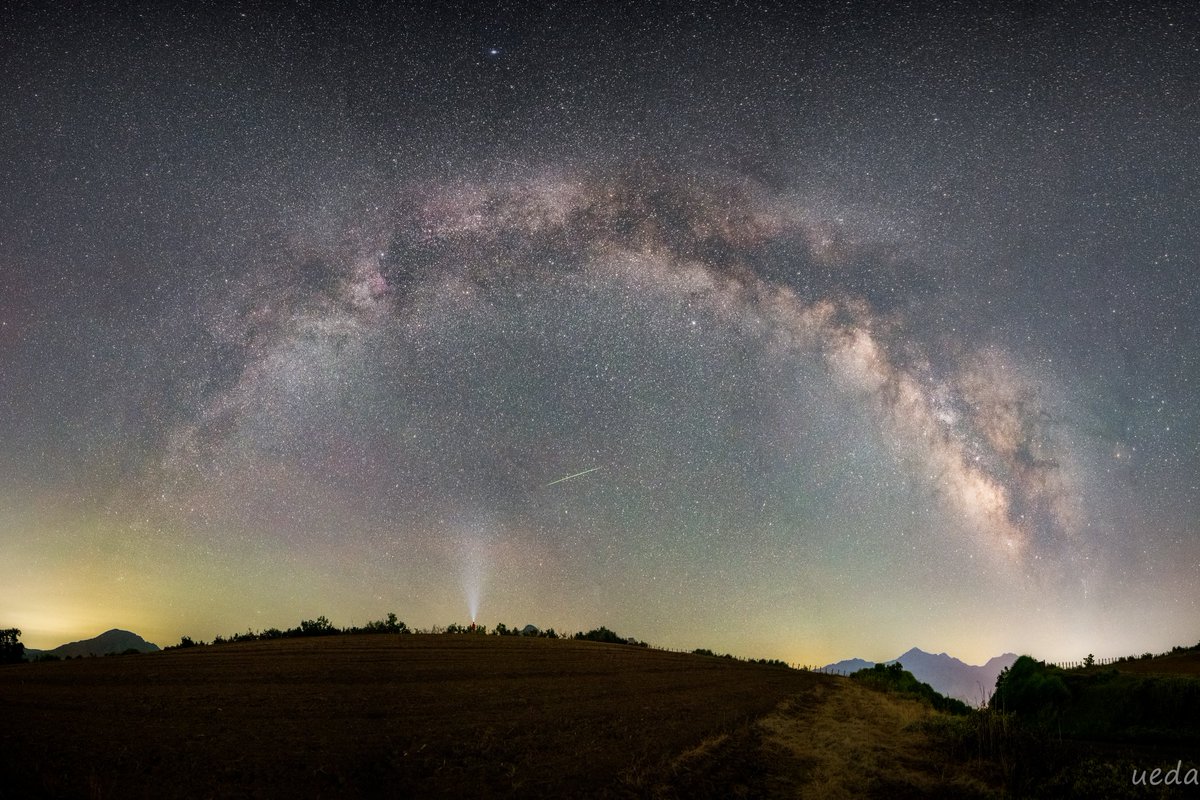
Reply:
x=321, y=626
x=12, y=651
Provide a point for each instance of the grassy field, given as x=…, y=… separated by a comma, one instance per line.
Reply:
x=447, y=715
x=837, y=741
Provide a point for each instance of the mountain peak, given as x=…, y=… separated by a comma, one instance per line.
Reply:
x=111, y=641
x=917, y=652
x=1006, y=658
x=914, y=651
x=944, y=672
x=113, y=633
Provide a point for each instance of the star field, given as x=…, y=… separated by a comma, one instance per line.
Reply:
x=870, y=329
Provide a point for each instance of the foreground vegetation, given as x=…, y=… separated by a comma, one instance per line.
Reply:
x=894, y=678
x=1082, y=733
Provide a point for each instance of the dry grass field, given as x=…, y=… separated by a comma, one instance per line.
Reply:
x=450, y=716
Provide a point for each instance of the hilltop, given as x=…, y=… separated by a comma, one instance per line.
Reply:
x=110, y=642
x=1181, y=661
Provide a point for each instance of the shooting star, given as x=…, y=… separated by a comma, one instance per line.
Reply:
x=576, y=475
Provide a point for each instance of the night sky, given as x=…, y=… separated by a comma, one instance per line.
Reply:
x=875, y=329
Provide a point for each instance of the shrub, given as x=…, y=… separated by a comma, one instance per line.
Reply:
x=320, y=626
x=894, y=678
x=1032, y=690
x=601, y=634
x=389, y=625
x=11, y=649
x=771, y=662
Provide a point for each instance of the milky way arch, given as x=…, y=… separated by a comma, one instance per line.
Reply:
x=973, y=424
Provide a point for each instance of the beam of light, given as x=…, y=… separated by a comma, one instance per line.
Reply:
x=473, y=591
x=569, y=477
x=474, y=566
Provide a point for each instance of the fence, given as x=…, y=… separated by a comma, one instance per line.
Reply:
x=1099, y=662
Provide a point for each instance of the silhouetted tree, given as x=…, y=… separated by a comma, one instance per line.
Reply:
x=392, y=624
x=11, y=649
x=770, y=662
x=320, y=626
x=601, y=634
x=1031, y=689
x=1090, y=660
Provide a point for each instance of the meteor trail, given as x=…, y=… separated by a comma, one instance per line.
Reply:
x=576, y=475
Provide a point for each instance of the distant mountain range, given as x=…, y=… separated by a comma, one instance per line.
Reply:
x=114, y=641
x=949, y=676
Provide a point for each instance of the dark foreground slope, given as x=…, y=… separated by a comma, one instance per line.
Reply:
x=1183, y=662
x=450, y=716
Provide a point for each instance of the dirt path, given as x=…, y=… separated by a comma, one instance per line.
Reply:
x=836, y=740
